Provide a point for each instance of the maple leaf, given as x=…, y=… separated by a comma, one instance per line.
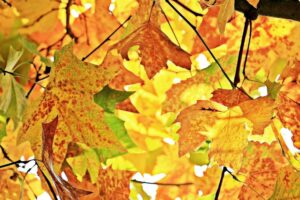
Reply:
x=69, y=95
x=195, y=122
x=262, y=164
x=198, y=87
x=12, y=101
x=229, y=98
x=209, y=25
x=259, y=111
x=231, y=138
x=151, y=40
x=288, y=102
x=287, y=185
x=228, y=131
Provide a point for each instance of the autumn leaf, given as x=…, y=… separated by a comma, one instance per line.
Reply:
x=150, y=40
x=195, y=123
x=229, y=98
x=69, y=96
x=64, y=188
x=230, y=138
x=12, y=101
x=287, y=185
x=262, y=164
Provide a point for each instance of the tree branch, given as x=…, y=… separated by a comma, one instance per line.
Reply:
x=202, y=40
x=106, y=39
x=286, y=9
x=7, y=3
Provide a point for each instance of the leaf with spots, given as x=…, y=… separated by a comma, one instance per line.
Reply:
x=287, y=185
x=69, y=95
x=262, y=164
x=195, y=123
x=229, y=98
x=260, y=112
x=230, y=138
x=65, y=190
x=151, y=41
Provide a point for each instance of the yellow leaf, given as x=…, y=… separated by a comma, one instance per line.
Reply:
x=230, y=138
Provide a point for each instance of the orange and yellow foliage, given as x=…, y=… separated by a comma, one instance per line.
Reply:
x=121, y=99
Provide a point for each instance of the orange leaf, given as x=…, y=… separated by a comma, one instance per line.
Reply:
x=195, y=121
x=155, y=49
x=229, y=98
x=261, y=165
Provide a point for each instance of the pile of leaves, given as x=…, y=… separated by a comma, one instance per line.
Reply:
x=143, y=99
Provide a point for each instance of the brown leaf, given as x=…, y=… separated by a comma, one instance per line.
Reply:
x=65, y=190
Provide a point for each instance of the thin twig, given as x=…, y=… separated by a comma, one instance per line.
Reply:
x=106, y=40
x=68, y=25
x=202, y=40
x=7, y=3
x=238, y=65
x=166, y=17
x=41, y=17
x=188, y=9
x=220, y=183
x=25, y=162
x=163, y=184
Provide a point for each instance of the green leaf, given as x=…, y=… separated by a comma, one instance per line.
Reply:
x=273, y=88
x=32, y=48
x=13, y=57
x=107, y=98
x=12, y=100
x=200, y=157
x=117, y=126
x=2, y=125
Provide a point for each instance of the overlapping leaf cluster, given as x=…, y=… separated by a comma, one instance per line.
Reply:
x=153, y=108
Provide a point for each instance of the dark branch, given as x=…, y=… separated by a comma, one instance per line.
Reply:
x=238, y=65
x=68, y=25
x=7, y=3
x=163, y=184
x=106, y=40
x=286, y=9
x=41, y=17
x=166, y=17
x=202, y=40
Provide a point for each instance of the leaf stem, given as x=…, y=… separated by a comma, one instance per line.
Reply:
x=163, y=184
x=106, y=39
x=202, y=40
x=220, y=183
